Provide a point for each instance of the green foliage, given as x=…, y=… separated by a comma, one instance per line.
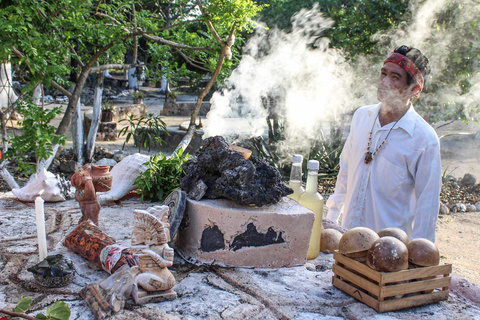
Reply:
x=327, y=150
x=162, y=176
x=23, y=305
x=107, y=105
x=38, y=136
x=138, y=95
x=58, y=311
x=145, y=130
x=355, y=22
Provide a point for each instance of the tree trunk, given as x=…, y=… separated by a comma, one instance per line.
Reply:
x=97, y=110
x=7, y=94
x=77, y=134
x=192, y=127
x=73, y=101
x=8, y=177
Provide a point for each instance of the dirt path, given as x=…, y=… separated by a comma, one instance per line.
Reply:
x=458, y=239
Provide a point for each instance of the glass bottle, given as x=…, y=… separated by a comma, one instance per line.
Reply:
x=296, y=177
x=312, y=200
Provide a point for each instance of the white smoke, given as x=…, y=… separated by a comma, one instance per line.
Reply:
x=300, y=78
x=439, y=44
x=296, y=74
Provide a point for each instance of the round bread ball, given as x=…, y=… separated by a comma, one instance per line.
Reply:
x=357, y=240
x=423, y=252
x=396, y=233
x=388, y=254
x=329, y=240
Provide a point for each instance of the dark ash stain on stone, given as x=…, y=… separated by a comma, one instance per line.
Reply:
x=252, y=238
x=212, y=240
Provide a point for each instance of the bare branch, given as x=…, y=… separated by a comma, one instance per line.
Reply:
x=191, y=62
x=174, y=44
x=96, y=7
x=109, y=17
x=135, y=39
x=192, y=127
x=16, y=314
x=210, y=25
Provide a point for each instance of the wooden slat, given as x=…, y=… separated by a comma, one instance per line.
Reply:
x=356, y=293
x=414, y=301
x=411, y=274
x=412, y=287
x=357, y=266
x=363, y=283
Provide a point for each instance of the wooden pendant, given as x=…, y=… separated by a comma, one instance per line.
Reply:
x=368, y=157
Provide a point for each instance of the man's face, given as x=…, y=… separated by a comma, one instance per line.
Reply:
x=392, y=85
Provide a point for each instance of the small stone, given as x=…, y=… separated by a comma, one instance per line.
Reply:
x=471, y=208
x=477, y=205
x=198, y=190
x=109, y=154
x=449, y=178
x=461, y=207
x=444, y=209
x=310, y=266
x=106, y=162
x=119, y=155
x=68, y=166
x=468, y=180
x=454, y=209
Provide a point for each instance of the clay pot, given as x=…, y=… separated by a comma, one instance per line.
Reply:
x=102, y=179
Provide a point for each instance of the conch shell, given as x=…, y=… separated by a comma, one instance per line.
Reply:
x=46, y=181
x=123, y=176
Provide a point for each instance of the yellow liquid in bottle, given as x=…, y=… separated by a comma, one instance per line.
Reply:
x=312, y=200
x=298, y=190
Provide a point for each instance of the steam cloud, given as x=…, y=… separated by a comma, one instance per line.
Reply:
x=298, y=77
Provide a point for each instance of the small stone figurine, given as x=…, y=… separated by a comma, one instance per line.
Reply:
x=150, y=239
x=89, y=180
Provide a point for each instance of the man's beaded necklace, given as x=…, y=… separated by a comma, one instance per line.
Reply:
x=370, y=155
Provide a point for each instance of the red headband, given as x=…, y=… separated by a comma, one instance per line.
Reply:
x=408, y=66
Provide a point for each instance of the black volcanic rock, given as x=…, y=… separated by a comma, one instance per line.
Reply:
x=228, y=175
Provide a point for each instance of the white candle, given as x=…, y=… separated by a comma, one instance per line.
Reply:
x=40, y=217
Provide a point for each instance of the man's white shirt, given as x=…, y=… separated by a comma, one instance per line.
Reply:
x=400, y=187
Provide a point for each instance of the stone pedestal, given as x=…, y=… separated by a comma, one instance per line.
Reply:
x=107, y=131
x=225, y=233
x=184, y=108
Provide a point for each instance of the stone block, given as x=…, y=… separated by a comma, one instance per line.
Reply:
x=225, y=233
x=183, y=108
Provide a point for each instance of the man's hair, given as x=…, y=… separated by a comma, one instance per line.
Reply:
x=418, y=58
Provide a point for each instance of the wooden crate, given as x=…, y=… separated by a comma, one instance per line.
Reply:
x=388, y=291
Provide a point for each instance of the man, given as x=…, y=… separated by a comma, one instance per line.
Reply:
x=390, y=169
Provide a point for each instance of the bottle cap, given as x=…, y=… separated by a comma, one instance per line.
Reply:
x=297, y=158
x=313, y=165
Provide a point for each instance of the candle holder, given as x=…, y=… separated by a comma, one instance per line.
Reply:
x=53, y=272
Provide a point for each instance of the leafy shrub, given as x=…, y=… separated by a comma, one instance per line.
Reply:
x=38, y=136
x=145, y=130
x=162, y=176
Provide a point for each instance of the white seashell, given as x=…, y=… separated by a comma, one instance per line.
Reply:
x=45, y=181
x=123, y=177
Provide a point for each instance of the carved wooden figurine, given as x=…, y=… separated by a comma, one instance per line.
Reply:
x=150, y=239
x=88, y=180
